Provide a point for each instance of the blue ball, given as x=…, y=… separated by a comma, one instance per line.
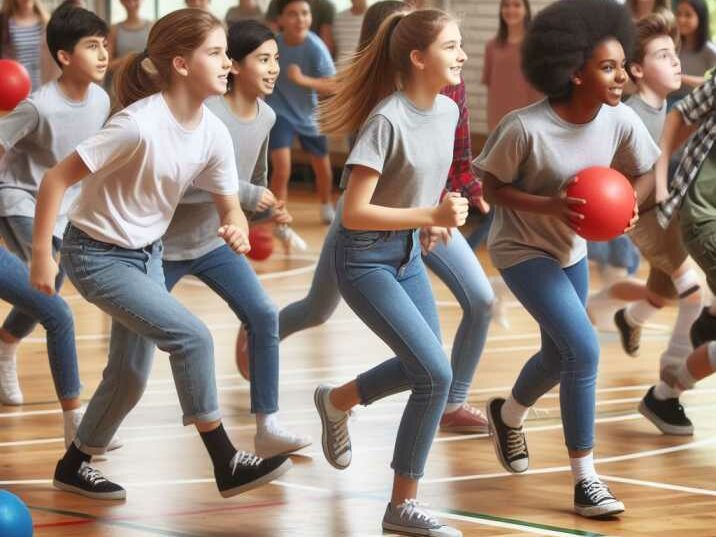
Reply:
x=15, y=519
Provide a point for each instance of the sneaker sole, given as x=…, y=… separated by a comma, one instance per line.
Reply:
x=269, y=454
x=664, y=427
x=597, y=511
x=403, y=530
x=496, y=442
x=276, y=473
x=118, y=495
x=324, y=425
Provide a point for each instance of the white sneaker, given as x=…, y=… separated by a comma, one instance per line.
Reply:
x=72, y=419
x=10, y=393
x=328, y=213
x=411, y=518
x=292, y=241
x=271, y=442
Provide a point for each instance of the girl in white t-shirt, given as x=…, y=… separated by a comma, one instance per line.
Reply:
x=135, y=172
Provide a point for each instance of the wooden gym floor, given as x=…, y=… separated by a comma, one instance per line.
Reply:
x=667, y=483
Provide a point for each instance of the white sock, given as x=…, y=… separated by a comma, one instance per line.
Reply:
x=8, y=350
x=267, y=422
x=513, y=413
x=662, y=391
x=637, y=313
x=687, y=286
x=583, y=468
x=451, y=407
x=333, y=412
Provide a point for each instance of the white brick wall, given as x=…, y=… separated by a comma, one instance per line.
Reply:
x=478, y=22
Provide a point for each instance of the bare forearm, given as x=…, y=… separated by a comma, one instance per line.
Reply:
x=511, y=197
x=235, y=217
x=644, y=186
x=692, y=81
x=372, y=217
x=324, y=86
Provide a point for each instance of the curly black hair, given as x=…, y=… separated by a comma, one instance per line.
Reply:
x=563, y=36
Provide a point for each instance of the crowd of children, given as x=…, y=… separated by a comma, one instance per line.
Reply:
x=199, y=148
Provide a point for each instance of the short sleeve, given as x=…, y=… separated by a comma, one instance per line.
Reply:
x=322, y=62
x=373, y=145
x=117, y=140
x=18, y=124
x=220, y=176
x=505, y=150
x=636, y=152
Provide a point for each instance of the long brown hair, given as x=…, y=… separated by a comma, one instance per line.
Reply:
x=179, y=33
x=379, y=69
x=9, y=7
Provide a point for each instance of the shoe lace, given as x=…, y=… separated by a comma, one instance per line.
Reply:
x=340, y=435
x=413, y=510
x=472, y=410
x=244, y=458
x=596, y=491
x=91, y=475
x=516, y=444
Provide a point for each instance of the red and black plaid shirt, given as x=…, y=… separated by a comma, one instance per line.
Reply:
x=461, y=178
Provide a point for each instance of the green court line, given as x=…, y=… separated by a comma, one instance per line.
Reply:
x=118, y=523
x=517, y=522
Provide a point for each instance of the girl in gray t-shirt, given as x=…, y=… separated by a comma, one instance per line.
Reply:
x=574, y=54
x=396, y=172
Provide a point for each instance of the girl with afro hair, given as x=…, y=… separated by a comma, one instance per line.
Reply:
x=574, y=53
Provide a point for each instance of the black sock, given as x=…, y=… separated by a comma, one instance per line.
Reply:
x=219, y=446
x=74, y=458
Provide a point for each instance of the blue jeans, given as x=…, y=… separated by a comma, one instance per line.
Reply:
x=16, y=231
x=456, y=266
x=382, y=278
x=52, y=312
x=129, y=286
x=232, y=278
x=569, y=355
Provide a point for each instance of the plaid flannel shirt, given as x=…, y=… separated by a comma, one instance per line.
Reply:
x=698, y=106
x=462, y=178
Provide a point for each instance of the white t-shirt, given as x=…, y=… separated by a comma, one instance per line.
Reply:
x=141, y=164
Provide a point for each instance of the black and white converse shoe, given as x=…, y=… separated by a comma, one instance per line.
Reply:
x=247, y=471
x=87, y=481
x=629, y=335
x=510, y=443
x=668, y=415
x=592, y=498
x=704, y=329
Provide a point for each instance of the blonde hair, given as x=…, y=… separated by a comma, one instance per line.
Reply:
x=179, y=33
x=379, y=69
x=9, y=8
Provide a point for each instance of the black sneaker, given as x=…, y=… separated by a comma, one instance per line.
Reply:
x=704, y=329
x=510, y=443
x=592, y=498
x=630, y=335
x=668, y=415
x=88, y=482
x=247, y=471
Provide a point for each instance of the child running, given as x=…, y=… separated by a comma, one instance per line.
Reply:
x=574, y=54
x=134, y=172
x=191, y=245
x=395, y=174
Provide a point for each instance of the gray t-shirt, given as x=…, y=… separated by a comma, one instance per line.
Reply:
x=192, y=232
x=39, y=133
x=411, y=148
x=653, y=118
x=695, y=63
x=538, y=152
